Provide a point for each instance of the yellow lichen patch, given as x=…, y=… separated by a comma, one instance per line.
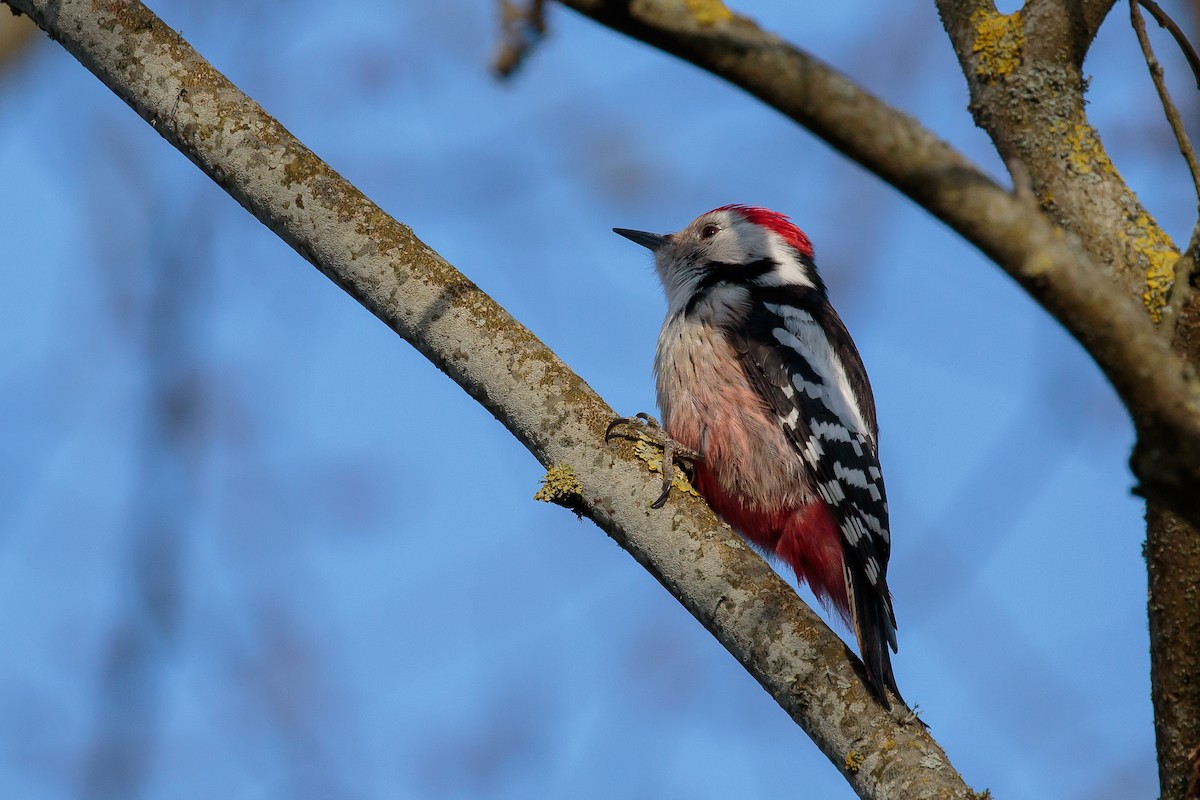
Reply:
x=652, y=454
x=999, y=39
x=562, y=487
x=854, y=761
x=1149, y=241
x=709, y=12
x=1085, y=153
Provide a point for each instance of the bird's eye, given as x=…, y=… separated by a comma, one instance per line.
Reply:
x=709, y=231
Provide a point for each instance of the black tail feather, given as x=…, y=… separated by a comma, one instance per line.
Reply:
x=875, y=628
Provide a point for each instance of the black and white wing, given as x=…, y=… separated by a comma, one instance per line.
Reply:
x=800, y=357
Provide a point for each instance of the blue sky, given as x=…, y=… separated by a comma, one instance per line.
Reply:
x=253, y=545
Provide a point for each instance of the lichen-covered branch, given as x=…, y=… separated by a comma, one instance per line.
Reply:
x=380, y=263
x=1037, y=57
x=1024, y=73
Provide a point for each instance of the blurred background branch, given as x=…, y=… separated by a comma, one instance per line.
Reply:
x=16, y=33
x=521, y=28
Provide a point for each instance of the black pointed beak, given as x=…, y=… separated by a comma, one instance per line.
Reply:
x=650, y=240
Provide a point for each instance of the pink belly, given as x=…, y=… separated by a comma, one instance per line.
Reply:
x=751, y=474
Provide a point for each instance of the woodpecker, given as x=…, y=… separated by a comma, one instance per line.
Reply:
x=761, y=387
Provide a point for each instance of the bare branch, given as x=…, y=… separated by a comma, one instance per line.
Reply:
x=380, y=263
x=1160, y=85
x=1172, y=551
x=1027, y=89
x=1077, y=21
x=1181, y=291
x=1193, y=787
x=1091, y=14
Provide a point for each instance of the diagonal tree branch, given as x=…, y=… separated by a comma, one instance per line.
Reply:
x=382, y=265
x=1159, y=388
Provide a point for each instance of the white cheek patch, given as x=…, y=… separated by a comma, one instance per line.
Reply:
x=746, y=241
x=741, y=242
x=789, y=271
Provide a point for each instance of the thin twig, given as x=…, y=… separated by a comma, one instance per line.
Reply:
x=1156, y=74
x=1181, y=39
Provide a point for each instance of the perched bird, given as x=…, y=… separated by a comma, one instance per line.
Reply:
x=761, y=387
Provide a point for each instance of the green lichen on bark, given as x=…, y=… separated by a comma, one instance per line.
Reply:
x=652, y=454
x=302, y=167
x=561, y=486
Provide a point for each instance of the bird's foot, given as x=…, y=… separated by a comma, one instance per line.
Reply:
x=646, y=429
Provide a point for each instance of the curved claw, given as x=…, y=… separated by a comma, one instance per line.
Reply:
x=615, y=424
x=662, y=498
x=646, y=421
x=648, y=428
